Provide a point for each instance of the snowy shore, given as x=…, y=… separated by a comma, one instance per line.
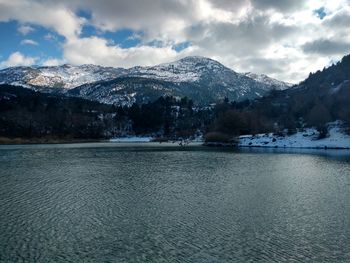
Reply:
x=198, y=139
x=308, y=138
x=131, y=139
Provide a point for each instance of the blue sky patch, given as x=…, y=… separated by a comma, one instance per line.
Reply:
x=181, y=46
x=48, y=42
x=124, y=38
x=320, y=13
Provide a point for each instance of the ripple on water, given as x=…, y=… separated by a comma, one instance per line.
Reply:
x=127, y=204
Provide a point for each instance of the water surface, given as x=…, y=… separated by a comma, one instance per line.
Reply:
x=110, y=202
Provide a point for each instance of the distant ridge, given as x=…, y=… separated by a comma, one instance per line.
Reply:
x=202, y=79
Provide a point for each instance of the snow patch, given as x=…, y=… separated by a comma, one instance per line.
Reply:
x=302, y=139
x=131, y=139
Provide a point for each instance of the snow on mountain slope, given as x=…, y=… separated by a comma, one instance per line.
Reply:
x=202, y=79
x=126, y=90
x=192, y=69
x=188, y=69
x=65, y=76
x=262, y=78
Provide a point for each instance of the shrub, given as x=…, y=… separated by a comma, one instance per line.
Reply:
x=291, y=131
x=218, y=137
x=323, y=132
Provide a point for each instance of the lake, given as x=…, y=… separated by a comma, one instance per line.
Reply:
x=110, y=202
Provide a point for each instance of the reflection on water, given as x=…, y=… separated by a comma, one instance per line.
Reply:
x=161, y=203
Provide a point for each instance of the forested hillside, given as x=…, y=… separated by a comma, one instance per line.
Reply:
x=321, y=98
x=28, y=114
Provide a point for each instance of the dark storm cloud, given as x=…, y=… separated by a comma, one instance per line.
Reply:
x=326, y=47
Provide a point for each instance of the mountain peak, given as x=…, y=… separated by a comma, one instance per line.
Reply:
x=187, y=69
x=196, y=61
x=196, y=58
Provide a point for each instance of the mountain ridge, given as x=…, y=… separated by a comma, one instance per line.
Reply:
x=209, y=77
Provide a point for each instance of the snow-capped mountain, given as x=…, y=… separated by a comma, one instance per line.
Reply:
x=202, y=79
x=197, y=69
x=65, y=76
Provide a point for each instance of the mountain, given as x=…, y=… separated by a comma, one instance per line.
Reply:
x=262, y=78
x=58, y=77
x=202, y=79
x=128, y=90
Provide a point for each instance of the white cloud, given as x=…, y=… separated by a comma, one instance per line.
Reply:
x=158, y=19
x=25, y=29
x=17, y=59
x=281, y=38
x=50, y=37
x=29, y=42
x=53, y=16
x=53, y=62
x=95, y=50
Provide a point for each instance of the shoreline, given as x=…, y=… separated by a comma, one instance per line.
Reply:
x=120, y=140
x=296, y=147
x=22, y=141
x=28, y=141
x=229, y=145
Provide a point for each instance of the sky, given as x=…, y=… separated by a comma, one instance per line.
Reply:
x=285, y=39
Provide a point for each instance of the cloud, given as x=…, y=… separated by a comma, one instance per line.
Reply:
x=29, y=42
x=17, y=59
x=96, y=50
x=54, y=16
x=230, y=5
x=157, y=18
x=282, y=38
x=50, y=37
x=247, y=37
x=280, y=5
x=339, y=19
x=52, y=62
x=326, y=47
x=25, y=29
